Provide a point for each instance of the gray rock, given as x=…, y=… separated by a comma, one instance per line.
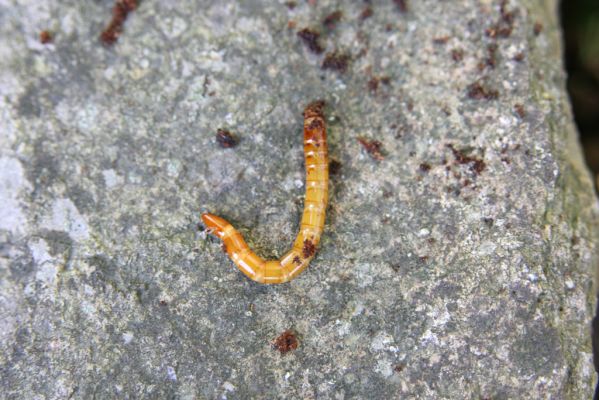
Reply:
x=444, y=272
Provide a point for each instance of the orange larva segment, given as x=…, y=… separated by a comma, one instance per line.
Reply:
x=315, y=194
x=313, y=218
x=215, y=225
x=249, y=263
x=235, y=241
x=316, y=173
x=274, y=272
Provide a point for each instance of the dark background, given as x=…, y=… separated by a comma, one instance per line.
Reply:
x=580, y=19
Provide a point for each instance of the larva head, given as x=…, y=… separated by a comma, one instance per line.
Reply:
x=215, y=224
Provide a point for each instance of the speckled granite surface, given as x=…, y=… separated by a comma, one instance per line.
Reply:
x=459, y=266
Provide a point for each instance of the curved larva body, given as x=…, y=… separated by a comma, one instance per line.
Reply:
x=312, y=223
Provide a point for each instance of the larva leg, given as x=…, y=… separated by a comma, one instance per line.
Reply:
x=311, y=225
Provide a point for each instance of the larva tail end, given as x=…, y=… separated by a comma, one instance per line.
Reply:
x=215, y=224
x=314, y=109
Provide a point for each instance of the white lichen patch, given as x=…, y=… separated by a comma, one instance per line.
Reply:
x=47, y=266
x=171, y=373
x=65, y=217
x=384, y=367
x=39, y=251
x=364, y=273
x=12, y=182
x=173, y=27
x=439, y=316
x=429, y=337
x=111, y=179
x=381, y=341
x=127, y=337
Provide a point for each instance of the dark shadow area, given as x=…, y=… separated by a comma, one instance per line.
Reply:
x=580, y=20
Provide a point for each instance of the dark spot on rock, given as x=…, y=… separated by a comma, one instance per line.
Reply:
x=538, y=28
x=478, y=92
x=395, y=267
x=491, y=60
x=402, y=5
x=120, y=11
x=476, y=165
x=286, y=342
x=373, y=83
x=424, y=167
x=331, y=20
x=366, y=13
x=291, y=5
x=373, y=147
x=457, y=55
x=399, y=367
x=441, y=40
x=310, y=39
x=488, y=221
x=519, y=108
x=45, y=37
x=505, y=24
x=336, y=61
x=226, y=139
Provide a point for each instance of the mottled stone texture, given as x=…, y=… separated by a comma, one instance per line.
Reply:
x=459, y=266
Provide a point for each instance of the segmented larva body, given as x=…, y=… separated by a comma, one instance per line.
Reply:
x=312, y=223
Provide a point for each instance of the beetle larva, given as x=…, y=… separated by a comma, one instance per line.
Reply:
x=312, y=223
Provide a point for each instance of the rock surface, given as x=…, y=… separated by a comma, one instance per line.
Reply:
x=458, y=266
